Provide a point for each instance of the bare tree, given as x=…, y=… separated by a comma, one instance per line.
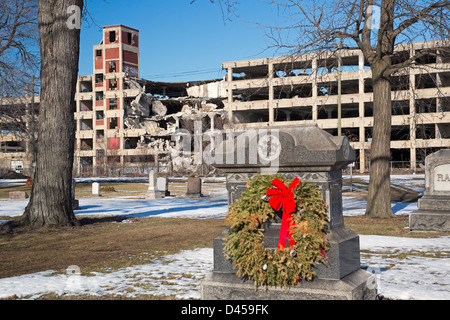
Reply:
x=19, y=51
x=19, y=63
x=51, y=200
x=315, y=26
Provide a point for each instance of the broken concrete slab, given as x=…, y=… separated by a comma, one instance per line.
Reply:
x=158, y=108
x=141, y=106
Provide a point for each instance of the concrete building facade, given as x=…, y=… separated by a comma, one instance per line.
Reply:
x=299, y=89
x=124, y=121
x=101, y=98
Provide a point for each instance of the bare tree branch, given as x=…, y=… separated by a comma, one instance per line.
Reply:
x=426, y=12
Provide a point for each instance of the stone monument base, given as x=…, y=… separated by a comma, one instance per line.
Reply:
x=193, y=195
x=433, y=212
x=226, y=286
x=432, y=215
x=429, y=221
x=153, y=195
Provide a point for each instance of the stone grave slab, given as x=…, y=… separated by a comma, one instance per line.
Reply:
x=194, y=187
x=433, y=212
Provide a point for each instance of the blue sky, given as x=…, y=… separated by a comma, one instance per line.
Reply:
x=180, y=41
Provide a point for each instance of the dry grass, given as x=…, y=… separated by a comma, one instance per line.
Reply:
x=4, y=190
x=395, y=227
x=111, y=189
x=99, y=244
x=399, y=193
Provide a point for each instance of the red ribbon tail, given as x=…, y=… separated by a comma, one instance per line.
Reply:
x=286, y=223
x=283, y=230
x=323, y=253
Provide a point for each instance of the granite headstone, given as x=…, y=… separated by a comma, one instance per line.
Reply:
x=433, y=212
x=162, y=184
x=316, y=157
x=194, y=187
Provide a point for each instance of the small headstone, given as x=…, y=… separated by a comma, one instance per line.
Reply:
x=194, y=187
x=75, y=202
x=163, y=185
x=18, y=195
x=152, y=192
x=433, y=212
x=96, y=189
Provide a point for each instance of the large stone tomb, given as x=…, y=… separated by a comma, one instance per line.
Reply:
x=433, y=212
x=315, y=157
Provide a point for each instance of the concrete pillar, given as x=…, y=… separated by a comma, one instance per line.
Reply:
x=314, y=90
x=412, y=119
x=271, y=93
x=177, y=122
x=438, y=100
x=362, y=139
x=213, y=138
x=230, y=93
x=288, y=115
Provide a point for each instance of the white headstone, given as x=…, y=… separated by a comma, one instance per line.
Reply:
x=96, y=189
x=161, y=184
x=152, y=192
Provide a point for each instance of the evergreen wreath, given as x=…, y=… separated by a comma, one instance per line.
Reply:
x=283, y=266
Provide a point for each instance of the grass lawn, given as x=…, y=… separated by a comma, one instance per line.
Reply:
x=100, y=244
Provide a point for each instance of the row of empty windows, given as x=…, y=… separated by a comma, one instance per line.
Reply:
x=88, y=124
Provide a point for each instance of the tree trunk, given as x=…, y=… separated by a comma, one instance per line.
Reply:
x=379, y=198
x=51, y=194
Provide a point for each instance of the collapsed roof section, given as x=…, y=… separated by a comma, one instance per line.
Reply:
x=160, y=108
x=206, y=89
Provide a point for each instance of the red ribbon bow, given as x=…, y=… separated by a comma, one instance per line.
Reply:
x=282, y=197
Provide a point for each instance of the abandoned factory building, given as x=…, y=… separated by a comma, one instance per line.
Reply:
x=125, y=123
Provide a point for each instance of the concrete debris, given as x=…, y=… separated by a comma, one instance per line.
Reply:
x=151, y=127
x=132, y=84
x=156, y=119
x=132, y=123
x=141, y=106
x=215, y=89
x=158, y=108
x=208, y=107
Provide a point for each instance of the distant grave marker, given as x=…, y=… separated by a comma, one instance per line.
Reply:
x=96, y=189
x=433, y=212
x=162, y=183
x=194, y=187
x=152, y=192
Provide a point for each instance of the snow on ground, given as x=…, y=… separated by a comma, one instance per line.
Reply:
x=206, y=207
x=177, y=274
x=421, y=274
x=413, y=277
